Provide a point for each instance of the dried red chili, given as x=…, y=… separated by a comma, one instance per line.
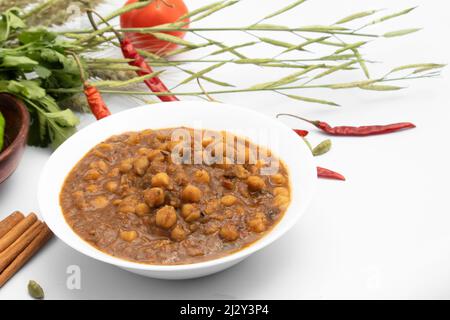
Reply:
x=329, y=174
x=356, y=131
x=95, y=101
x=301, y=133
x=129, y=52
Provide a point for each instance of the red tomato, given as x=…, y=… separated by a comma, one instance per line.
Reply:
x=157, y=13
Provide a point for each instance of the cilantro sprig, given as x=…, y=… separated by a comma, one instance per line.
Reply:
x=32, y=61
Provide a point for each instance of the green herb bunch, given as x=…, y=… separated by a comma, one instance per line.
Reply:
x=31, y=62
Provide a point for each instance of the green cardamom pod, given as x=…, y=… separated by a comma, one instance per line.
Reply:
x=35, y=290
x=322, y=148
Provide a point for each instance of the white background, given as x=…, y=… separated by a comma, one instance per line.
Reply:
x=382, y=234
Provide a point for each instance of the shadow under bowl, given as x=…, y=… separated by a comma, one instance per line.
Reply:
x=17, y=120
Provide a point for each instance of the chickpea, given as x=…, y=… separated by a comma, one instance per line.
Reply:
x=99, y=202
x=229, y=232
x=194, y=252
x=133, y=138
x=117, y=202
x=155, y=155
x=112, y=186
x=140, y=165
x=194, y=226
x=128, y=205
x=212, y=206
x=161, y=136
x=281, y=202
x=147, y=132
x=228, y=200
x=128, y=235
x=92, y=188
x=191, y=194
x=114, y=173
x=166, y=217
x=142, y=209
x=260, y=163
x=257, y=222
x=190, y=212
x=92, y=174
x=154, y=197
x=160, y=180
x=102, y=166
x=202, y=176
x=278, y=179
x=178, y=233
x=211, y=227
x=126, y=208
x=281, y=191
x=106, y=146
x=255, y=183
x=126, y=165
x=170, y=145
x=241, y=172
x=99, y=154
x=143, y=151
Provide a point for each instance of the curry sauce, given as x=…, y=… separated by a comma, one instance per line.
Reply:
x=129, y=198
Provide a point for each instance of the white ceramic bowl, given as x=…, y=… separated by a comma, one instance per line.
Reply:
x=214, y=116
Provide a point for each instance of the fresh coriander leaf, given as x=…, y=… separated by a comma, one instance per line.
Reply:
x=18, y=62
x=42, y=72
x=58, y=134
x=15, y=21
x=9, y=20
x=50, y=125
x=65, y=118
x=36, y=35
x=26, y=88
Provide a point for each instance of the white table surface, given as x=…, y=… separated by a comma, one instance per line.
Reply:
x=382, y=234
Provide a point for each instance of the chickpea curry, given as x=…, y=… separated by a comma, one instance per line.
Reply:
x=129, y=198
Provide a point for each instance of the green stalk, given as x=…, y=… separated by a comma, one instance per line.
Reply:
x=38, y=8
x=215, y=92
x=168, y=28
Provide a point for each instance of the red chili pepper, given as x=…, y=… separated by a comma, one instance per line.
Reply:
x=328, y=174
x=155, y=84
x=301, y=133
x=363, y=130
x=356, y=131
x=129, y=52
x=95, y=101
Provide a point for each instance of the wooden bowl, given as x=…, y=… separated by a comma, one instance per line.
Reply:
x=17, y=121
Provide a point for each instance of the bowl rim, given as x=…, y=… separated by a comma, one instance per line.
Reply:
x=240, y=254
x=24, y=126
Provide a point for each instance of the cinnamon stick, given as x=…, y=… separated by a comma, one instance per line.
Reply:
x=7, y=256
x=40, y=240
x=16, y=231
x=9, y=222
